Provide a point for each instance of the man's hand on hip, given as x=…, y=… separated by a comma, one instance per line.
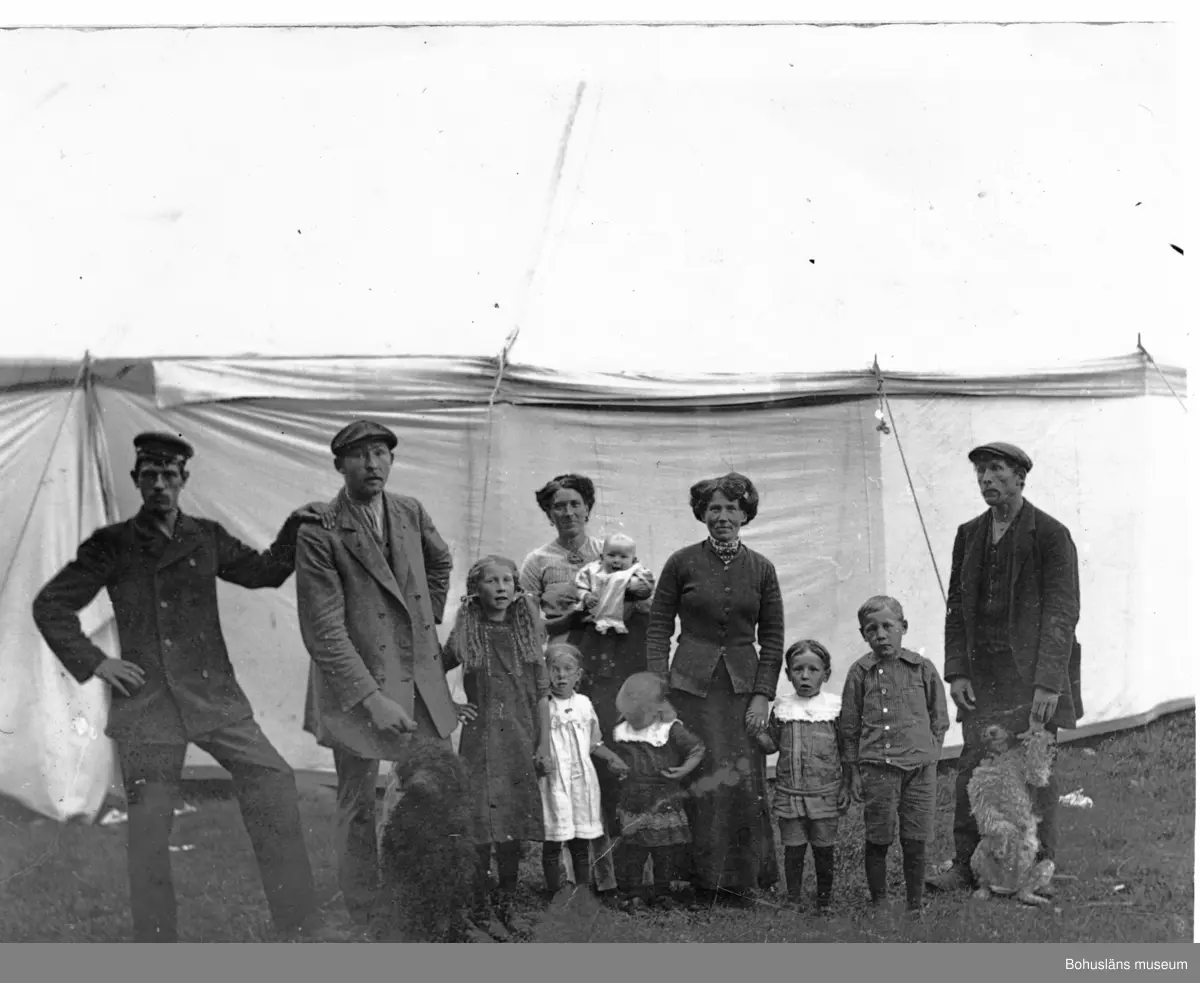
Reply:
x=125, y=677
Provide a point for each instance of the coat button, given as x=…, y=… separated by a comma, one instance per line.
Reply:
x=885, y=709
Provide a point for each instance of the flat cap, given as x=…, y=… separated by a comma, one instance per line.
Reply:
x=166, y=446
x=1010, y=452
x=361, y=430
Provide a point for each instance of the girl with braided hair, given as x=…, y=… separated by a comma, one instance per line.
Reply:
x=498, y=639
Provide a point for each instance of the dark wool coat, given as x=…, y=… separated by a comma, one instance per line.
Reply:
x=1043, y=606
x=369, y=626
x=164, y=597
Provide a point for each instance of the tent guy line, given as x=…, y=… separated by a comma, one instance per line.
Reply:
x=908, y=475
x=1142, y=349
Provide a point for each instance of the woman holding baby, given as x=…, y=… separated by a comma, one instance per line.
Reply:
x=592, y=592
x=595, y=595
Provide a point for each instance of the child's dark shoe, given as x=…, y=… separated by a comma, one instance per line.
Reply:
x=474, y=933
x=494, y=927
x=563, y=896
x=514, y=921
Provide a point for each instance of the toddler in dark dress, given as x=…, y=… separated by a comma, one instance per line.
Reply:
x=660, y=753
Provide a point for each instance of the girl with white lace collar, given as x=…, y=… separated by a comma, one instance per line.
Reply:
x=810, y=791
x=660, y=753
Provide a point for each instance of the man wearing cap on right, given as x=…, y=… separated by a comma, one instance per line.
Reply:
x=371, y=584
x=1011, y=653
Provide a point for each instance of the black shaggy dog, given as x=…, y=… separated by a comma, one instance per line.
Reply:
x=427, y=853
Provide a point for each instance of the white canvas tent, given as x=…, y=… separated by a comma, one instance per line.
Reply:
x=838, y=514
x=704, y=236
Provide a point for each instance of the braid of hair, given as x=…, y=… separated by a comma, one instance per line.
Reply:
x=470, y=625
x=529, y=630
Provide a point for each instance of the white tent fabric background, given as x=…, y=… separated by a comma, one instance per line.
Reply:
x=837, y=515
x=53, y=754
x=729, y=197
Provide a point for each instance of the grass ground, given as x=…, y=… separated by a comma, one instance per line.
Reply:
x=1127, y=866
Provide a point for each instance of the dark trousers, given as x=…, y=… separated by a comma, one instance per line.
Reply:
x=1001, y=697
x=355, y=839
x=355, y=834
x=265, y=788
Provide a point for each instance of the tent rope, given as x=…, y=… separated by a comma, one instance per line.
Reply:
x=1142, y=349
x=97, y=445
x=42, y=479
x=487, y=460
x=882, y=393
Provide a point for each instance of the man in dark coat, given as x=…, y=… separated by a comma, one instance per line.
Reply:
x=371, y=584
x=174, y=685
x=1011, y=653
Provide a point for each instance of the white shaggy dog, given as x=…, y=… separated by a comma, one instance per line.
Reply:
x=1002, y=803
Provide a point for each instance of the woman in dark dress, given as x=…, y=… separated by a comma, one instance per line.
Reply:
x=725, y=597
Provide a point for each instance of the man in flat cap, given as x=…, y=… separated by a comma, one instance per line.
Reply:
x=371, y=584
x=174, y=684
x=1011, y=653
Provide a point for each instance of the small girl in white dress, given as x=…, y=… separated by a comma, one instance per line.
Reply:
x=570, y=786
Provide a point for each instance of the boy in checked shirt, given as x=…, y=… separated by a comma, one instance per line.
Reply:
x=893, y=723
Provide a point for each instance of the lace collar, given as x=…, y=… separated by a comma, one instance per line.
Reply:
x=792, y=706
x=655, y=735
